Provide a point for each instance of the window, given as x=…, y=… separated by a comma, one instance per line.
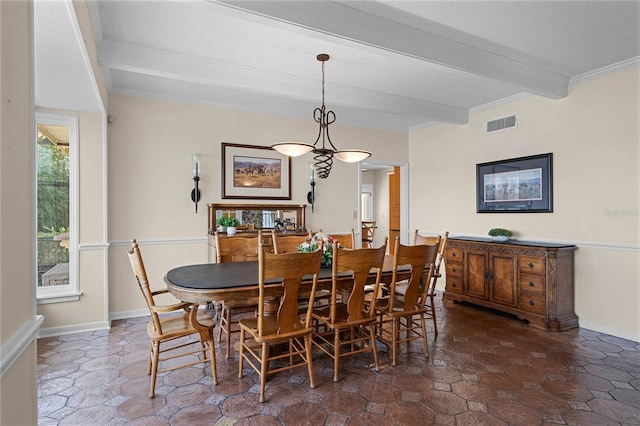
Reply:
x=56, y=208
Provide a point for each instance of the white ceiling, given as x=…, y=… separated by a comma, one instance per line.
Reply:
x=394, y=64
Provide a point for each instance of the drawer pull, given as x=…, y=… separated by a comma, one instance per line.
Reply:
x=453, y=284
x=453, y=255
x=453, y=269
x=531, y=284
x=531, y=302
x=530, y=265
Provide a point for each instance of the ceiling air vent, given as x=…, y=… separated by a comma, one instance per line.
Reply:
x=501, y=124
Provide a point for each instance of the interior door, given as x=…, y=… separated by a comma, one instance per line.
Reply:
x=394, y=208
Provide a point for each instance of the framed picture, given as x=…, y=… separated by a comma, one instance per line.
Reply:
x=255, y=172
x=518, y=185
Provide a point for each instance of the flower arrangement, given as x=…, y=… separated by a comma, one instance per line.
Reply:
x=311, y=245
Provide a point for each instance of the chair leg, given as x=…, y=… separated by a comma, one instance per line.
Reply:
x=228, y=331
x=240, y=361
x=263, y=370
x=433, y=315
x=395, y=330
x=374, y=348
x=424, y=336
x=214, y=366
x=154, y=368
x=336, y=354
x=150, y=357
x=222, y=313
x=308, y=347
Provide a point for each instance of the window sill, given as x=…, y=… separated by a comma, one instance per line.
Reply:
x=58, y=298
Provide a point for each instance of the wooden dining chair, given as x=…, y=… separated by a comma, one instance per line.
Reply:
x=166, y=332
x=235, y=248
x=347, y=241
x=283, y=243
x=405, y=311
x=431, y=293
x=368, y=232
x=284, y=327
x=348, y=322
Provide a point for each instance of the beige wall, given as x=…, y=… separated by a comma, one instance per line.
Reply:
x=91, y=310
x=593, y=135
x=18, y=323
x=150, y=181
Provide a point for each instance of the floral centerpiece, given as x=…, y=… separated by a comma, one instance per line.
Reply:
x=318, y=239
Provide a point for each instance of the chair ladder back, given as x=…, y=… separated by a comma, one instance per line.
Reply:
x=140, y=272
x=418, y=257
x=287, y=243
x=291, y=268
x=235, y=248
x=359, y=262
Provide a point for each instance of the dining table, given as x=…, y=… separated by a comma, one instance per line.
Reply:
x=216, y=282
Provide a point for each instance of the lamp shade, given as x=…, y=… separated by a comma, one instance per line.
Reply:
x=352, y=155
x=292, y=149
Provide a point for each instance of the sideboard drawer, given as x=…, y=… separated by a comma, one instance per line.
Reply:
x=453, y=269
x=453, y=255
x=532, y=302
x=532, y=283
x=531, y=265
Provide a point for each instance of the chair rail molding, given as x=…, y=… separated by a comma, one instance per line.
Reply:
x=16, y=345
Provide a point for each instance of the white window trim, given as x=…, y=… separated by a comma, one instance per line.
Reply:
x=71, y=291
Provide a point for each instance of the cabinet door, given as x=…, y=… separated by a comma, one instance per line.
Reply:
x=475, y=274
x=503, y=279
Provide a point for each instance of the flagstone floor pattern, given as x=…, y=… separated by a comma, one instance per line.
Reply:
x=485, y=368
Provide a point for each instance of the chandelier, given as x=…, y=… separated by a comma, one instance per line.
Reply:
x=323, y=155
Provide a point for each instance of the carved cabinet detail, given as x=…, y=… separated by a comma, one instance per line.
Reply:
x=534, y=281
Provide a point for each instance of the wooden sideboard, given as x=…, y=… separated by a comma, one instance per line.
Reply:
x=260, y=217
x=532, y=280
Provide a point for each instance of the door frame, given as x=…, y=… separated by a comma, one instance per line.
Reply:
x=404, y=196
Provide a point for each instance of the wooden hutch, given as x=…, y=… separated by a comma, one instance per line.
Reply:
x=257, y=217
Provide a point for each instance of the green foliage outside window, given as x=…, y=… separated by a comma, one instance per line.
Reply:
x=53, y=202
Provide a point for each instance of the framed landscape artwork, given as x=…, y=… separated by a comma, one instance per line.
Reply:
x=255, y=172
x=517, y=185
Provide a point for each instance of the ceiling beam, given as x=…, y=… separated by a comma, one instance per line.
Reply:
x=115, y=55
x=479, y=57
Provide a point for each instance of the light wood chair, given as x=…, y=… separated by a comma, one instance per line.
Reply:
x=166, y=332
x=405, y=311
x=431, y=294
x=235, y=248
x=283, y=243
x=347, y=241
x=285, y=326
x=349, y=321
x=368, y=232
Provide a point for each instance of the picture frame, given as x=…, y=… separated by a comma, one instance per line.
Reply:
x=255, y=172
x=516, y=185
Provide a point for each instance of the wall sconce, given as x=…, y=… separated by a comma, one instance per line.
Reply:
x=195, y=192
x=311, y=195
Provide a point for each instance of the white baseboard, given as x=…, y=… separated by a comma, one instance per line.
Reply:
x=76, y=328
x=128, y=314
x=623, y=334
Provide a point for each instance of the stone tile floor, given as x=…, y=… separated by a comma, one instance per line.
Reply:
x=485, y=368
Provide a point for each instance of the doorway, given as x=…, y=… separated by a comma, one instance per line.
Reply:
x=374, y=188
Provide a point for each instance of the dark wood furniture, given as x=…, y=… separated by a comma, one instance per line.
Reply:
x=254, y=218
x=532, y=280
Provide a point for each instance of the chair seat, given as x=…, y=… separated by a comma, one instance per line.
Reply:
x=341, y=319
x=270, y=330
x=179, y=325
